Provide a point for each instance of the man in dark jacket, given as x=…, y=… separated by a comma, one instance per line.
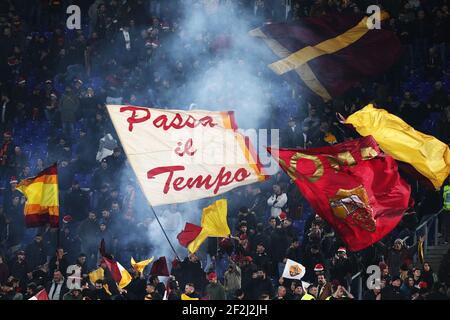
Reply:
x=102, y=175
x=293, y=252
x=137, y=287
x=259, y=285
x=341, y=267
x=86, y=232
x=16, y=222
x=261, y=258
x=68, y=107
x=399, y=254
x=279, y=243
x=65, y=176
x=19, y=269
x=292, y=136
x=85, y=154
x=191, y=271
x=311, y=258
x=392, y=291
x=214, y=290
x=76, y=202
x=116, y=160
x=58, y=262
x=36, y=253
x=100, y=292
x=258, y=203
x=57, y=288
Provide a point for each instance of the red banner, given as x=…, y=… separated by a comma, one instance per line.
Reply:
x=353, y=185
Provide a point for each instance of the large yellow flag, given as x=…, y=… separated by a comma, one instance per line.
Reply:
x=214, y=224
x=42, y=204
x=429, y=156
x=140, y=266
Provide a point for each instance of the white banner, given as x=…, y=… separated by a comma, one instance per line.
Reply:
x=181, y=156
x=293, y=270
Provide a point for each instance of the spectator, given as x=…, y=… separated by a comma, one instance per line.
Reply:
x=232, y=279
x=151, y=293
x=281, y=293
x=392, y=291
x=340, y=293
x=36, y=253
x=189, y=290
x=260, y=284
x=341, y=267
x=68, y=106
x=311, y=293
x=214, y=290
x=4, y=271
x=324, y=289
x=399, y=254
x=277, y=201
x=57, y=287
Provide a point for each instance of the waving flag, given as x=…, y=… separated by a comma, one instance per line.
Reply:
x=214, y=224
x=120, y=275
x=327, y=55
x=429, y=156
x=140, y=266
x=293, y=270
x=181, y=156
x=42, y=204
x=189, y=233
x=352, y=185
x=159, y=268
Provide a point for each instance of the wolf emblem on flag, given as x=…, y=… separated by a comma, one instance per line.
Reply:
x=295, y=270
x=352, y=206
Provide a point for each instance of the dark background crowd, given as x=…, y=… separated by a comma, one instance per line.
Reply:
x=54, y=86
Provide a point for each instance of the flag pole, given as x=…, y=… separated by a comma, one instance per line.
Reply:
x=58, y=230
x=165, y=234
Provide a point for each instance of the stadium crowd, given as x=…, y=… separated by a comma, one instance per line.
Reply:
x=54, y=86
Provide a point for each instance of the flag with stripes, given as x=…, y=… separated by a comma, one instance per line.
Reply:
x=42, y=204
x=328, y=55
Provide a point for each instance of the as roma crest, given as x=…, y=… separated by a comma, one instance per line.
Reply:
x=295, y=270
x=352, y=206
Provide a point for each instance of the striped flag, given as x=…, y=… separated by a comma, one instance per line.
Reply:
x=328, y=55
x=42, y=204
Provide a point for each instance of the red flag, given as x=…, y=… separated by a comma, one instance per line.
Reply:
x=113, y=268
x=159, y=268
x=190, y=232
x=41, y=295
x=328, y=55
x=353, y=185
x=111, y=264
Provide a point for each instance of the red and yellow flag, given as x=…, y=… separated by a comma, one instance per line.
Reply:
x=42, y=204
x=353, y=185
x=328, y=55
